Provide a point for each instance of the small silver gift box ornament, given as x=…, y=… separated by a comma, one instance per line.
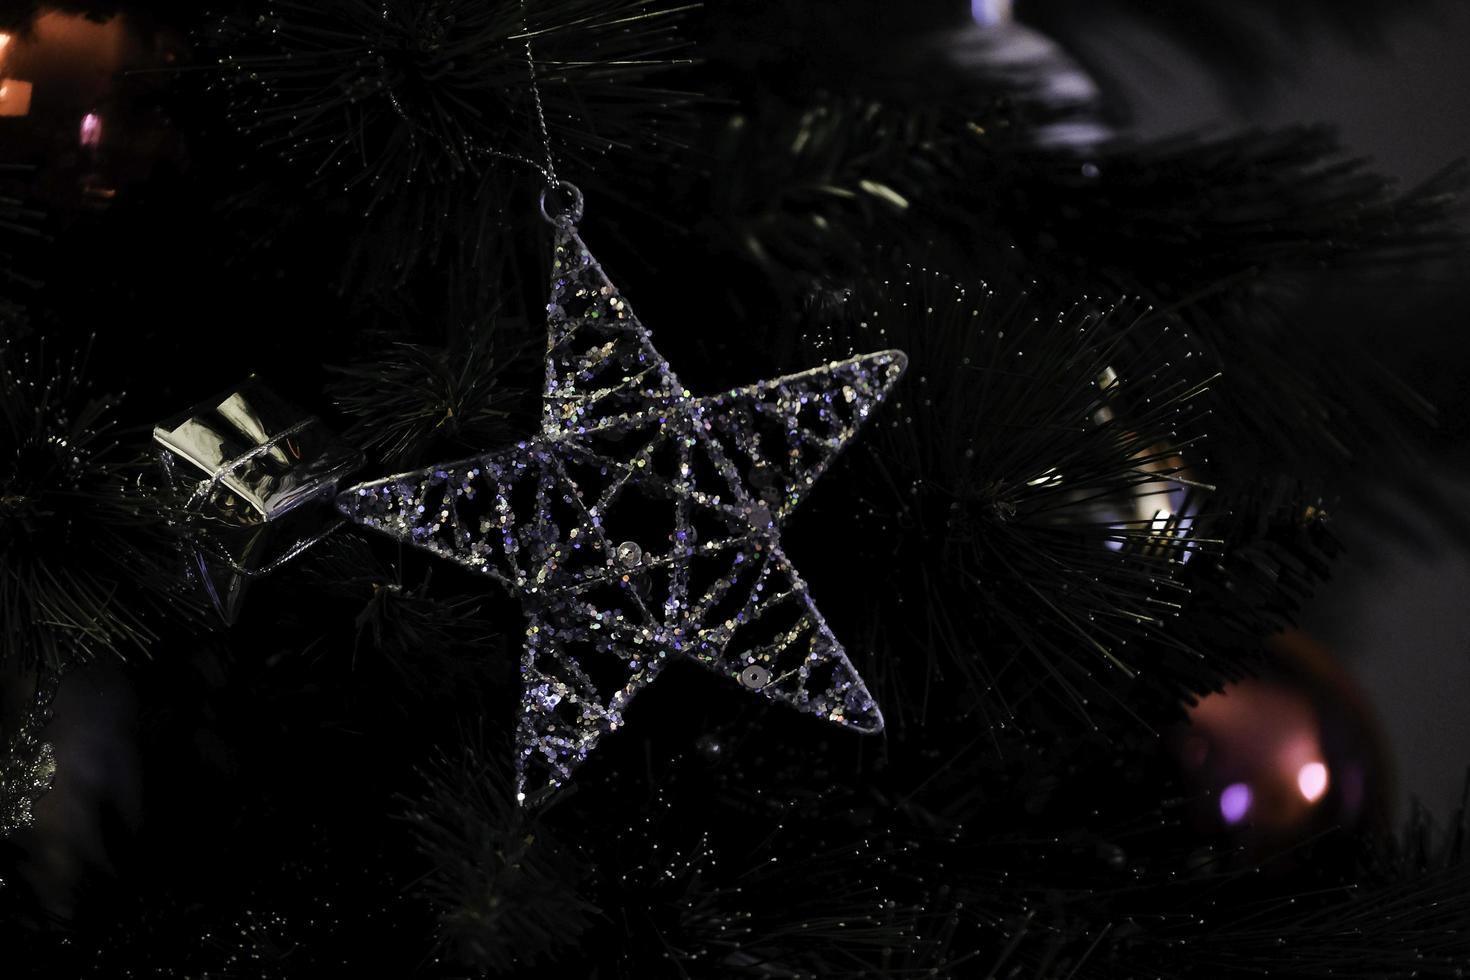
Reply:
x=254, y=477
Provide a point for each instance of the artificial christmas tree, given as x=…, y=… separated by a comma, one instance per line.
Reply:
x=1057, y=564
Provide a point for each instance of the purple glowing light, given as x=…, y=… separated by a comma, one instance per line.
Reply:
x=1235, y=802
x=988, y=13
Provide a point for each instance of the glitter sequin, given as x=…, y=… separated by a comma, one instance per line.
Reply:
x=28, y=764
x=642, y=525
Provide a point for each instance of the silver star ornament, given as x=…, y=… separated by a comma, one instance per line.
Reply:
x=642, y=524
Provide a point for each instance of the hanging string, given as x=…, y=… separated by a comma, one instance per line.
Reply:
x=550, y=170
x=547, y=170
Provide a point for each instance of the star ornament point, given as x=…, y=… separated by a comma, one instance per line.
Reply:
x=641, y=525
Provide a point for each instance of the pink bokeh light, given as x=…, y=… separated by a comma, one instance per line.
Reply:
x=1311, y=779
x=91, y=134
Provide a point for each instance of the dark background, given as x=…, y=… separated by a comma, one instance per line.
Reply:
x=1396, y=609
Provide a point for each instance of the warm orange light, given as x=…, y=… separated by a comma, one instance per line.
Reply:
x=15, y=97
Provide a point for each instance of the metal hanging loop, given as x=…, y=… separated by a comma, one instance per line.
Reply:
x=562, y=192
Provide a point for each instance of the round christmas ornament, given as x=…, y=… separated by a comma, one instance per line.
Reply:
x=1281, y=757
x=993, y=48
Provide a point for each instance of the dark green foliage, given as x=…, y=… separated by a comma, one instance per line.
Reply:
x=795, y=184
x=504, y=890
x=754, y=859
x=421, y=644
x=19, y=228
x=1186, y=214
x=419, y=115
x=1277, y=547
x=383, y=94
x=1248, y=45
x=1044, y=483
x=1225, y=234
x=411, y=402
x=83, y=554
x=1401, y=914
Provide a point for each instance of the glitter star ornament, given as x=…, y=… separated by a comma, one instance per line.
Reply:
x=642, y=525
